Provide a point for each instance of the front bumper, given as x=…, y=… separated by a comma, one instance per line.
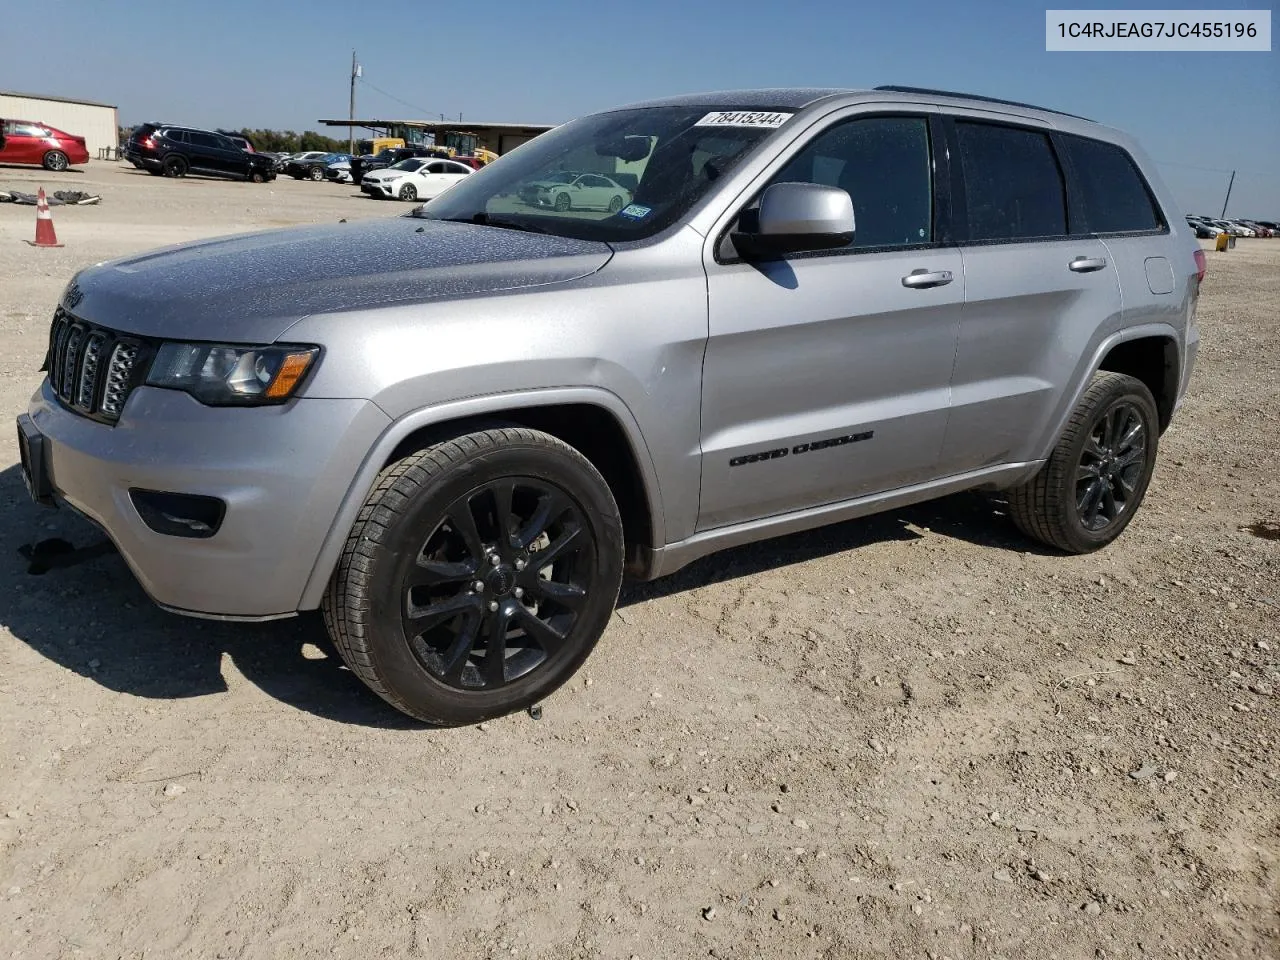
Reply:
x=281, y=471
x=378, y=188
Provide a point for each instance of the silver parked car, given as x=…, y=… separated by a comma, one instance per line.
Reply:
x=455, y=431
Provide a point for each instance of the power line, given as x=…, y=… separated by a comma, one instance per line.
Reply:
x=413, y=106
x=1192, y=166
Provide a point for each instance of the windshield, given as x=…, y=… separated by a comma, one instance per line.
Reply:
x=623, y=175
x=407, y=165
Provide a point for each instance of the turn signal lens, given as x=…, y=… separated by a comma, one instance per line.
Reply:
x=291, y=371
x=1200, y=266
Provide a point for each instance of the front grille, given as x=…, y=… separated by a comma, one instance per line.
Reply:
x=92, y=369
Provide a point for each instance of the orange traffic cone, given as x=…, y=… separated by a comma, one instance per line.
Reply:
x=45, y=237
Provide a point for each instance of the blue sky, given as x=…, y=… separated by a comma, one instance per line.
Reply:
x=284, y=64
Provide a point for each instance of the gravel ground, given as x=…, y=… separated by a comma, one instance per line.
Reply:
x=917, y=735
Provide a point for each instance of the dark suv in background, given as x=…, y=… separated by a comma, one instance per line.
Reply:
x=175, y=151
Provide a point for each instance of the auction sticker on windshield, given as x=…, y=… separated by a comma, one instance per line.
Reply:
x=636, y=211
x=743, y=118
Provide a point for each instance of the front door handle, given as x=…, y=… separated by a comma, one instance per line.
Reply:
x=1087, y=264
x=923, y=279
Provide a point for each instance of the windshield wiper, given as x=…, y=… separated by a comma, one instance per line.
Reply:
x=484, y=220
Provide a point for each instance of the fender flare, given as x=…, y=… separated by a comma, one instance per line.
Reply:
x=493, y=405
x=1162, y=330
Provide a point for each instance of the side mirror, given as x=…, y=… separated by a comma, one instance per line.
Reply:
x=795, y=217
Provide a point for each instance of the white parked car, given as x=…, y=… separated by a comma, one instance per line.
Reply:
x=339, y=172
x=418, y=178
x=576, y=191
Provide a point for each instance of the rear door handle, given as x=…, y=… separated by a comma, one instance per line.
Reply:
x=922, y=279
x=1087, y=264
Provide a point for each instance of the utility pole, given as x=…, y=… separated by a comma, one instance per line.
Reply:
x=1223, y=215
x=351, y=115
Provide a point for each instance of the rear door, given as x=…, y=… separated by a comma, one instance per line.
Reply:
x=24, y=142
x=1038, y=290
x=202, y=151
x=826, y=375
x=1156, y=271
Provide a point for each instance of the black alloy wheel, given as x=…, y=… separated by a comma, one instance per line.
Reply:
x=499, y=583
x=1111, y=466
x=1097, y=474
x=478, y=576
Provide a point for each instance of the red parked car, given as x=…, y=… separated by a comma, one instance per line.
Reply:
x=22, y=141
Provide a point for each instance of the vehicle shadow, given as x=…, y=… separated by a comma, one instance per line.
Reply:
x=974, y=517
x=93, y=618
x=87, y=613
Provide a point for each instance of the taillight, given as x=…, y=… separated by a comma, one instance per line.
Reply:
x=149, y=143
x=1200, y=266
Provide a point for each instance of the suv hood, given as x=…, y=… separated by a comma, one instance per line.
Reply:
x=251, y=288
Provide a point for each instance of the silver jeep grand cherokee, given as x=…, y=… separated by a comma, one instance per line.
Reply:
x=455, y=431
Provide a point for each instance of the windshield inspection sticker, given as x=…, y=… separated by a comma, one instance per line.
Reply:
x=635, y=211
x=744, y=118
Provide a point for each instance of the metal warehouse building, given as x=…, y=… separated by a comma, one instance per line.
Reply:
x=498, y=137
x=96, y=122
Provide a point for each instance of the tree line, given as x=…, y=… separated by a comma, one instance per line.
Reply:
x=278, y=141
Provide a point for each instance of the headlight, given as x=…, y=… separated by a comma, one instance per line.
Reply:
x=222, y=375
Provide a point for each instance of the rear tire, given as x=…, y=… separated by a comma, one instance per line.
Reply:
x=175, y=167
x=56, y=161
x=1094, y=481
x=403, y=608
x=615, y=204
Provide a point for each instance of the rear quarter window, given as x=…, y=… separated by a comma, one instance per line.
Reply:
x=1115, y=196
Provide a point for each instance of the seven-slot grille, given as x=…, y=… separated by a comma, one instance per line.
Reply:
x=91, y=369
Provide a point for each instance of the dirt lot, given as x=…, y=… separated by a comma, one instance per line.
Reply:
x=912, y=736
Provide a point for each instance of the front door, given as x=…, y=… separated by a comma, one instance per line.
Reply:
x=827, y=376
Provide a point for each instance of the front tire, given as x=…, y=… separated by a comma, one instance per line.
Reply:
x=56, y=161
x=316, y=174
x=615, y=204
x=563, y=202
x=257, y=176
x=1094, y=481
x=478, y=576
x=408, y=192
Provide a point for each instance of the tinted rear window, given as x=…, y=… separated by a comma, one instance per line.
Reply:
x=1116, y=199
x=1012, y=183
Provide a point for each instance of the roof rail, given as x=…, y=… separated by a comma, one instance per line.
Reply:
x=973, y=96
